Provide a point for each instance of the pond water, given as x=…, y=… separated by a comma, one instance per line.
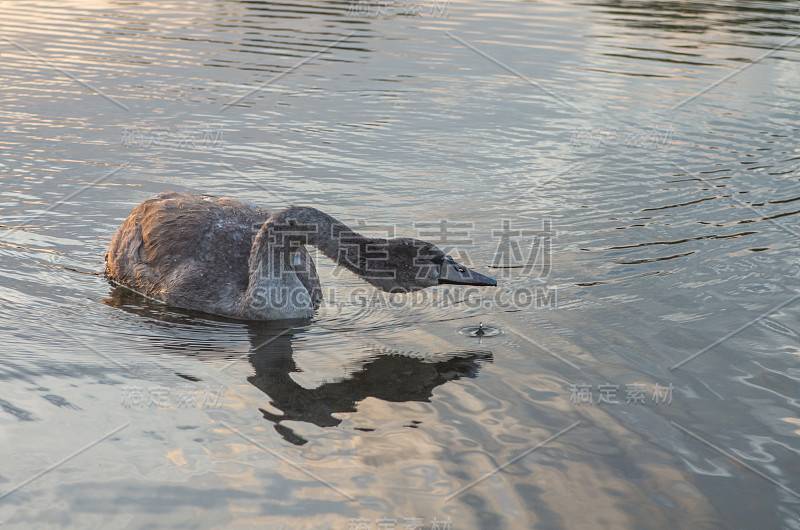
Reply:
x=628, y=170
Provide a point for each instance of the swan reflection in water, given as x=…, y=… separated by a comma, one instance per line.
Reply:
x=386, y=374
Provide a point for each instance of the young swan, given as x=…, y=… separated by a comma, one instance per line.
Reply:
x=230, y=257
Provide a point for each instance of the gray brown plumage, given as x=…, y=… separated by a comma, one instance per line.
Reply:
x=230, y=257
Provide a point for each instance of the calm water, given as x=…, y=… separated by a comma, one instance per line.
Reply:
x=662, y=160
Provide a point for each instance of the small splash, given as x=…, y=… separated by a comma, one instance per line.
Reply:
x=480, y=331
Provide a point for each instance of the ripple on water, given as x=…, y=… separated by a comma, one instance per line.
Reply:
x=673, y=226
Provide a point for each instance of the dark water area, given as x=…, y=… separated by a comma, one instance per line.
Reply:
x=628, y=170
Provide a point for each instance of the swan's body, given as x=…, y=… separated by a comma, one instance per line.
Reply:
x=232, y=258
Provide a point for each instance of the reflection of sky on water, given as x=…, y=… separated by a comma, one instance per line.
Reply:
x=661, y=249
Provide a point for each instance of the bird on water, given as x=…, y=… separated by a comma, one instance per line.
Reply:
x=229, y=257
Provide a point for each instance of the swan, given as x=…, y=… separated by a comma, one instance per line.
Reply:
x=229, y=257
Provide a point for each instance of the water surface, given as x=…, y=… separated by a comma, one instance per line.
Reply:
x=656, y=141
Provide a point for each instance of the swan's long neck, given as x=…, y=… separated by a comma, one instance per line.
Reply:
x=272, y=258
x=287, y=230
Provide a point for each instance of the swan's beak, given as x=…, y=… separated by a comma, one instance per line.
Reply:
x=453, y=272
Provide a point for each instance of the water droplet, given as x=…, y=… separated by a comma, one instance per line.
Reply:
x=480, y=331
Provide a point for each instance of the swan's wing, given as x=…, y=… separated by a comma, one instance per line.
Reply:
x=186, y=249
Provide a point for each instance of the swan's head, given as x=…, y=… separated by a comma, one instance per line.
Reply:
x=405, y=264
